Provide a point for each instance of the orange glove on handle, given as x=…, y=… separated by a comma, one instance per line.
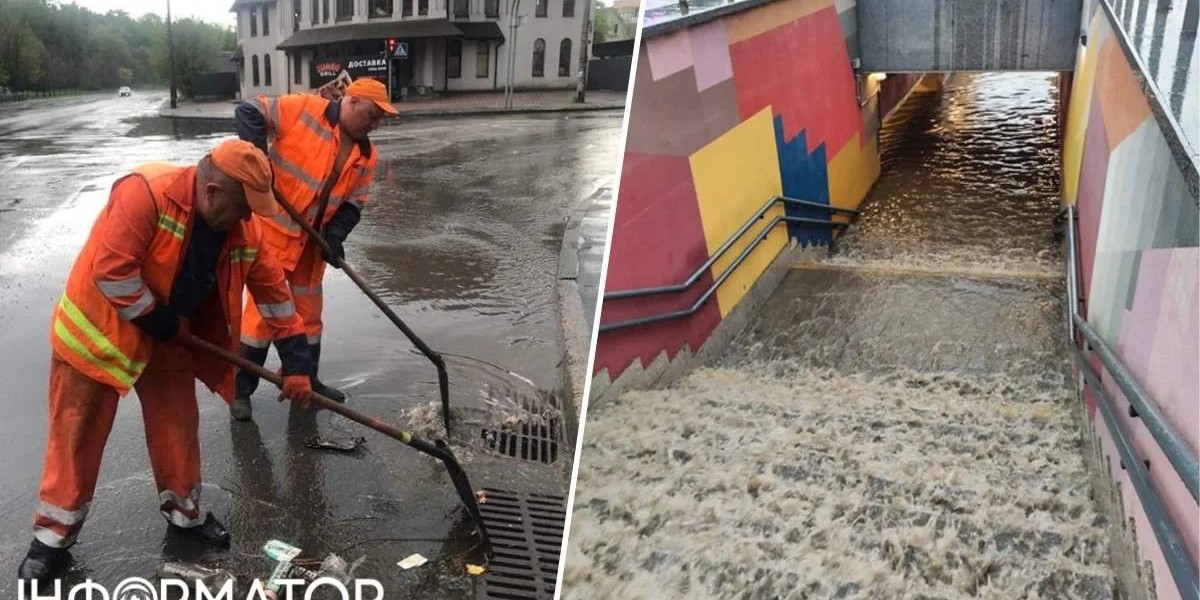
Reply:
x=297, y=388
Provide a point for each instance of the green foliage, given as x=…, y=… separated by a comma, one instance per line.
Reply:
x=602, y=23
x=45, y=44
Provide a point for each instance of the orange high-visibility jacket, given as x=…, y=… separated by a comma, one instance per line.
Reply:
x=127, y=267
x=304, y=144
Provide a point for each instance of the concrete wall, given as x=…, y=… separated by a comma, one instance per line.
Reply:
x=725, y=114
x=1138, y=220
x=968, y=35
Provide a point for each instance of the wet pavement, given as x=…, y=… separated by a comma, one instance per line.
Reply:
x=896, y=422
x=462, y=240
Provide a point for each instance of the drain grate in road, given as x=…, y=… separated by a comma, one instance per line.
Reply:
x=535, y=440
x=526, y=533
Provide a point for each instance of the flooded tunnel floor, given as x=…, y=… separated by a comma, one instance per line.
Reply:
x=896, y=422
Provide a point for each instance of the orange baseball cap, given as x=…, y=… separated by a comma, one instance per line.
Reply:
x=373, y=90
x=244, y=162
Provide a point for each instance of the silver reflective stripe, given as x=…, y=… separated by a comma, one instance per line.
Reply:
x=176, y=515
x=316, y=127
x=254, y=342
x=286, y=222
x=314, y=339
x=143, y=302
x=62, y=515
x=275, y=311
x=294, y=170
x=273, y=105
x=52, y=539
x=304, y=290
x=121, y=287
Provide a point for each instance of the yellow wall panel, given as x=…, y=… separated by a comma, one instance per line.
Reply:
x=734, y=175
x=745, y=25
x=1081, y=104
x=852, y=171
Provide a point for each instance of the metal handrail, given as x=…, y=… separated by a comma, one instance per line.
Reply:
x=1179, y=561
x=708, y=293
x=1170, y=541
x=702, y=269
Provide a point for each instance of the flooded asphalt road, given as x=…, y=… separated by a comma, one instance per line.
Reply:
x=462, y=240
x=896, y=421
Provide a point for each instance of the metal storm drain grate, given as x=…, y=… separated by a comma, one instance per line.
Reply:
x=527, y=533
x=535, y=439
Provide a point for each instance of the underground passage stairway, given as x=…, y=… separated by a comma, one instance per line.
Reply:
x=896, y=421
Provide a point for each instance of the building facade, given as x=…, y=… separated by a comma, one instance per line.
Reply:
x=436, y=46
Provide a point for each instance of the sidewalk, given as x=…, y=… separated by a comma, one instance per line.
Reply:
x=455, y=104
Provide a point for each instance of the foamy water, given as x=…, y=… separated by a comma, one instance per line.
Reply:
x=896, y=422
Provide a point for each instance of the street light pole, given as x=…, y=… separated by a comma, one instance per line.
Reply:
x=585, y=42
x=513, y=6
x=171, y=55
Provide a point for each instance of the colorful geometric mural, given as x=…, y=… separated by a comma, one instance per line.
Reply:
x=1139, y=228
x=724, y=115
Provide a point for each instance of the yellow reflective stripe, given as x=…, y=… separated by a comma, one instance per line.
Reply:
x=97, y=338
x=75, y=344
x=171, y=226
x=243, y=254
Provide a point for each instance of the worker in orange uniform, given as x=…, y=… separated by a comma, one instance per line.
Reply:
x=168, y=257
x=324, y=164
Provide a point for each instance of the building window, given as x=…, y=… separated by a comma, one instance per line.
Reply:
x=564, y=58
x=406, y=8
x=297, y=6
x=345, y=9
x=482, y=51
x=540, y=8
x=253, y=22
x=454, y=59
x=316, y=12
x=539, y=57
x=422, y=7
x=324, y=11
x=462, y=8
x=297, y=69
x=568, y=8
x=491, y=9
x=381, y=8
x=266, y=21
x=267, y=70
x=254, y=68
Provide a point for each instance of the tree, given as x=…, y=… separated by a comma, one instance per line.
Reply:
x=197, y=50
x=22, y=55
x=602, y=23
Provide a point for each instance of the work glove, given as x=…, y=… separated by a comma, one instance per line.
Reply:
x=297, y=388
x=336, y=253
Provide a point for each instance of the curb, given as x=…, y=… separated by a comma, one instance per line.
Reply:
x=164, y=113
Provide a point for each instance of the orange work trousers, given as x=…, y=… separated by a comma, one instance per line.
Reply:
x=82, y=411
x=305, y=281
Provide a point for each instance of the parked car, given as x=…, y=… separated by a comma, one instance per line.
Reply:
x=125, y=91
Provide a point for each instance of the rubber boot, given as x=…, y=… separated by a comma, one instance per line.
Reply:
x=210, y=532
x=43, y=563
x=245, y=384
x=318, y=387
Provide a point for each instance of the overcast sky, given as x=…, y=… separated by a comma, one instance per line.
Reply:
x=213, y=11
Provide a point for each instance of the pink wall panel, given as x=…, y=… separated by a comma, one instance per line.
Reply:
x=1092, y=176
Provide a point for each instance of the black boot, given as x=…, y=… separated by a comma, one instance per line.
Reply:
x=318, y=387
x=246, y=382
x=210, y=532
x=43, y=563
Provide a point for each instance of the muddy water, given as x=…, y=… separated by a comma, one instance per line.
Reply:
x=895, y=423
x=461, y=239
